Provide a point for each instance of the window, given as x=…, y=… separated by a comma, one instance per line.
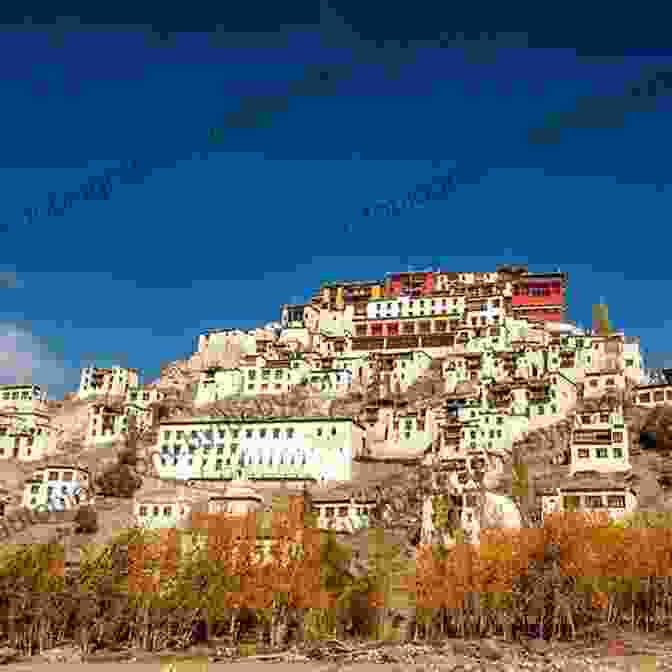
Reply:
x=360, y=330
x=155, y=511
x=540, y=410
x=333, y=431
x=617, y=437
x=34, y=489
x=645, y=398
x=408, y=327
x=252, y=374
x=658, y=395
x=248, y=433
x=594, y=502
x=220, y=449
x=143, y=511
x=166, y=436
x=583, y=453
x=167, y=510
x=180, y=435
x=276, y=433
x=593, y=383
x=236, y=433
x=319, y=431
x=219, y=465
x=262, y=433
x=290, y=433
x=601, y=452
x=500, y=421
x=618, y=453
x=329, y=512
x=425, y=326
x=67, y=476
x=616, y=501
x=342, y=511
x=53, y=475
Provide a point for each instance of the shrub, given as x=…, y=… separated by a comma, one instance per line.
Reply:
x=119, y=481
x=86, y=520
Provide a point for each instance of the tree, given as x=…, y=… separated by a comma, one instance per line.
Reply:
x=86, y=520
x=119, y=481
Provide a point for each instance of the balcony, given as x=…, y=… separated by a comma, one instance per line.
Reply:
x=405, y=342
x=591, y=437
x=438, y=340
x=501, y=400
x=368, y=343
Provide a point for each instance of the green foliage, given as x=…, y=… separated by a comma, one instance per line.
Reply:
x=445, y=519
x=643, y=519
x=334, y=558
x=27, y=567
x=520, y=485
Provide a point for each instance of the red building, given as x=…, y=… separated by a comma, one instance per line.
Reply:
x=540, y=297
x=418, y=283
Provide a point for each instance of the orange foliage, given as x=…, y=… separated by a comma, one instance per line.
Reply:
x=231, y=541
x=587, y=548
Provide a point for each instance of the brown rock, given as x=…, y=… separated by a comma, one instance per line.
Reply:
x=537, y=645
x=8, y=655
x=491, y=650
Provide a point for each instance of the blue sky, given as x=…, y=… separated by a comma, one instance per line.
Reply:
x=560, y=158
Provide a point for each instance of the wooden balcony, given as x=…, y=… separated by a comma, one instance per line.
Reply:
x=501, y=400
x=437, y=340
x=591, y=437
x=368, y=343
x=405, y=342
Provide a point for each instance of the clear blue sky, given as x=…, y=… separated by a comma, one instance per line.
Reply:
x=560, y=155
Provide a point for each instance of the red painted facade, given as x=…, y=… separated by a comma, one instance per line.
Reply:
x=544, y=299
x=544, y=316
x=393, y=283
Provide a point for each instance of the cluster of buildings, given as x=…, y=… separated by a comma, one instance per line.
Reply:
x=504, y=359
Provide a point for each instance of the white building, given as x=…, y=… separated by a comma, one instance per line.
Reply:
x=106, y=424
x=25, y=423
x=113, y=381
x=653, y=395
x=591, y=494
x=57, y=487
x=164, y=507
x=266, y=449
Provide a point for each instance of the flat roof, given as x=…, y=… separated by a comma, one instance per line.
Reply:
x=652, y=385
x=227, y=420
x=61, y=466
x=335, y=283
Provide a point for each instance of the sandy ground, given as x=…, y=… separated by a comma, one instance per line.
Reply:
x=156, y=667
